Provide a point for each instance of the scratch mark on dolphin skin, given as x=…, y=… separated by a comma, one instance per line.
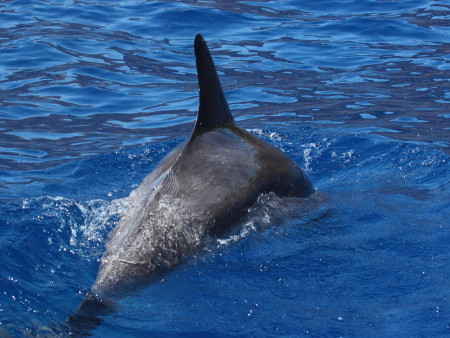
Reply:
x=171, y=250
x=172, y=185
x=130, y=262
x=203, y=185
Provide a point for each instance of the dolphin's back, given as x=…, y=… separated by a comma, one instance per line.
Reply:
x=208, y=188
x=228, y=169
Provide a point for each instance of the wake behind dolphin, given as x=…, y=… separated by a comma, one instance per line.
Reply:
x=200, y=189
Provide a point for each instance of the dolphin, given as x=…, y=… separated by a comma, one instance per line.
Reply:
x=200, y=189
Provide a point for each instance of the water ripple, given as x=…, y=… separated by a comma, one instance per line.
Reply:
x=94, y=93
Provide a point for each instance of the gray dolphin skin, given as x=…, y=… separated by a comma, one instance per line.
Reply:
x=200, y=189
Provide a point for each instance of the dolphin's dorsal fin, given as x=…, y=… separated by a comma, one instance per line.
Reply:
x=213, y=110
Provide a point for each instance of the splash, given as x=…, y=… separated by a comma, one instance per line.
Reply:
x=269, y=210
x=74, y=226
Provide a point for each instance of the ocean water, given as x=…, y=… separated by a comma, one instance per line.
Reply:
x=94, y=93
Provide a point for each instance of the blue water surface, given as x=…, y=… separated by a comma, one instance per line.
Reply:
x=94, y=93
